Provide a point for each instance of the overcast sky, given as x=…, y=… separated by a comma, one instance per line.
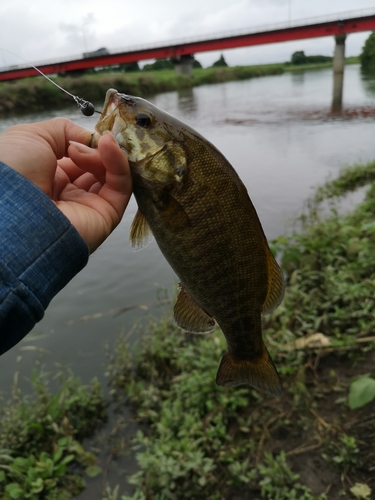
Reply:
x=50, y=29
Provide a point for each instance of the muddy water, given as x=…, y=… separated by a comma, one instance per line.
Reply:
x=279, y=134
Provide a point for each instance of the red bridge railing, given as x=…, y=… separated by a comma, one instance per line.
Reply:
x=349, y=22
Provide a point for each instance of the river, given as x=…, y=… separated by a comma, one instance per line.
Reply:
x=279, y=135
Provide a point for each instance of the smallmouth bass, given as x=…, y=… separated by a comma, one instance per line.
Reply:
x=194, y=203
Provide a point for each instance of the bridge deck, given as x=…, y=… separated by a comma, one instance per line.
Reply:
x=176, y=49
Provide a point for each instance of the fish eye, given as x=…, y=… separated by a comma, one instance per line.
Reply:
x=143, y=120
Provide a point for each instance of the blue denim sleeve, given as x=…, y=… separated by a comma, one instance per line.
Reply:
x=40, y=252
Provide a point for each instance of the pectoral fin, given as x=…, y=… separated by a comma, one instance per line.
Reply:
x=260, y=373
x=276, y=285
x=171, y=211
x=189, y=316
x=140, y=232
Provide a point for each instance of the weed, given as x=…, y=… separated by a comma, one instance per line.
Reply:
x=196, y=435
x=278, y=482
x=205, y=442
x=343, y=453
x=39, y=438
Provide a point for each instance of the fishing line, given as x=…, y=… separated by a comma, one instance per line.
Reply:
x=87, y=108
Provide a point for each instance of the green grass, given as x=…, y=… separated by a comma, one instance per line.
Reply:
x=205, y=442
x=41, y=455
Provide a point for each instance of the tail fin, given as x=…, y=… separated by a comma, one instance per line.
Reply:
x=259, y=373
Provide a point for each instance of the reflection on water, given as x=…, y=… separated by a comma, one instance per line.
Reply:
x=338, y=83
x=368, y=82
x=290, y=115
x=298, y=77
x=187, y=103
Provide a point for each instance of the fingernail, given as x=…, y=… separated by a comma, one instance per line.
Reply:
x=81, y=147
x=108, y=132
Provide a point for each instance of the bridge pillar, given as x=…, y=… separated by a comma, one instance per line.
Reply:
x=183, y=65
x=338, y=72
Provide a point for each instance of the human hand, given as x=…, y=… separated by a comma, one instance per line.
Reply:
x=91, y=187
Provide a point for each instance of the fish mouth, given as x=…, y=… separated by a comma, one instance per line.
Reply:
x=114, y=98
x=119, y=118
x=111, y=118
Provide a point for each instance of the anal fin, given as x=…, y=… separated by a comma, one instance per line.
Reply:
x=189, y=316
x=140, y=232
x=260, y=373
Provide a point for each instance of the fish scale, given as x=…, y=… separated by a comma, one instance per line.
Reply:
x=199, y=211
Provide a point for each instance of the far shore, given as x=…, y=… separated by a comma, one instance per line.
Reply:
x=36, y=94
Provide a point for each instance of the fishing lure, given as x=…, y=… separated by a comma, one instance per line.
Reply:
x=87, y=108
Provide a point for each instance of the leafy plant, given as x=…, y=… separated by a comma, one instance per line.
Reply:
x=36, y=475
x=343, y=453
x=361, y=392
x=28, y=423
x=187, y=446
x=202, y=441
x=280, y=483
x=38, y=442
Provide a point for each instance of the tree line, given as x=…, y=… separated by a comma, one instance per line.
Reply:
x=168, y=63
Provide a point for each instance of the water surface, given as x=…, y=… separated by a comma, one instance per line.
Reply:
x=279, y=135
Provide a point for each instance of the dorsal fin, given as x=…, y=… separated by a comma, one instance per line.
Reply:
x=140, y=232
x=276, y=285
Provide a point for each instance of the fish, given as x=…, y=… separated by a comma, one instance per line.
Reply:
x=192, y=201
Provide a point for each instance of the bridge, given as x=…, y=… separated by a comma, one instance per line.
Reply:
x=181, y=51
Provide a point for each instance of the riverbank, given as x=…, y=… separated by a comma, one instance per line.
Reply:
x=37, y=94
x=317, y=441
x=200, y=441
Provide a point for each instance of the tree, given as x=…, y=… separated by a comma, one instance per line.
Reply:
x=159, y=64
x=220, y=63
x=298, y=57
x=129, y=67
x=367, y=56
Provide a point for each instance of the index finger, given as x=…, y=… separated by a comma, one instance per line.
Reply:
x=62, y=131
x=117, y=189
